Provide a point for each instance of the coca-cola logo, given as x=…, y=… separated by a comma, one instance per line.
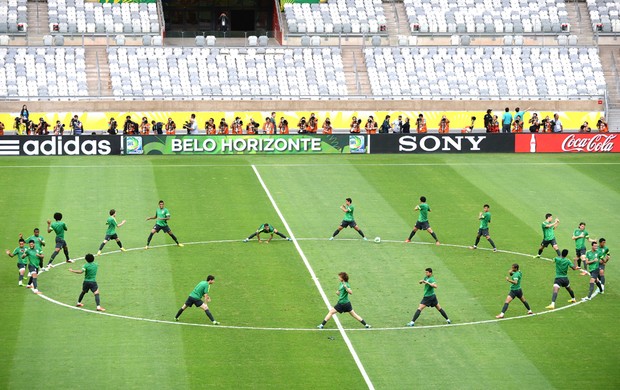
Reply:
x=597, y=143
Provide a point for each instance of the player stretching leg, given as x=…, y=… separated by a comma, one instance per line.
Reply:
x=348, y=220
x=422, y=222
x=110, y=233
x=21, y=263
x=483, y=230
x=195, y=299
x=604, y=257
x=59, y=228
x=580, y=235
x=593, y=263
x=515, y=290
x=162, y=216
x=344, y=304
x=429, y=299
x=266, y=228
x=548, y=228
x=90, y=280
x=562, y=264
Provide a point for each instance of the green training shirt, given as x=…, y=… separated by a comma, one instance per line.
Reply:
x=31, y=255
x=602, y=252
x=485, y=220
x=262, y=229
x=343, y=294
x=19, y=252
x=348, y=214
x=424, y=209
x=428, y=289
x=562, y=264
x=38, y=241
x=548, y=231
x=591, y=255
x=162, y=213
x=516, y=276
x=200, y=290
x=90, y=271
x=112, y=225
x=580, y=243
x=59, y=227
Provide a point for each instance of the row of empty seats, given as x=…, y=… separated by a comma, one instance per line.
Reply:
x=40, y=71
x=13, y=13
x=78, y=16
x=474, y=72
x=199, y=71
x=336, y=16
x=605, y=15
x=487, y=16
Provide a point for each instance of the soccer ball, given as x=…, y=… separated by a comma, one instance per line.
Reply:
x=377, y=239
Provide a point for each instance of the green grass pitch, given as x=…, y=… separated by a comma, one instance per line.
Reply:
x=264, y=296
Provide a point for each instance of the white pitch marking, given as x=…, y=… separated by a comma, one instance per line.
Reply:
x=343, y=333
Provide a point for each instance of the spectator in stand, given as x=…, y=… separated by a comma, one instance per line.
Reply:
x=268, y=127
x=59, y=128
x=24, y=115
x=42, y=127
x=327, y=126
x=488, y=121
x=420, y=124
x=406, y=129
x=158, y=127
x=283, y=126
x=223, y=22
x=534, y=123
x=371, y=125
x=444, y=125
x=76, y=125
x=192, y=125
x=112, y=127
x=495, y=124
x=546, y=125
x=301, y=125
x=1, y=128
x=385, y=126
x=171, y=127
x=252, y=127
x=602, y=125
x=210, y=127
x=585, y=128
x=556, y=124
x=313, y=124
x=506, y=121
x=398, y=124
x=145, y=126
x=223, y=128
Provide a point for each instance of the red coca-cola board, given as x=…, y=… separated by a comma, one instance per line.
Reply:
x=568, y=142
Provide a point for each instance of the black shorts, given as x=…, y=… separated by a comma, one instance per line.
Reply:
x=60, y=243
x=89, y=286
x=515, y=294
x=483, y=232
x=343, y=307
x=430, y=301
x=21, y=266
x=580, y=252
x=346, y=224
x=595, y=274
x=546, y=243
x=33, y=269
x=191, y=301
x=157, y=228
x=601, y=266
x=109, y=237
x=422, y=225
x=562, y=282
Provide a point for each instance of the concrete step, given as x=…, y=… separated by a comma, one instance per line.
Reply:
x=613, y=119
x=355, y=71
x=38, y=21
x=396, y=18
x=580, y=22
x=97, y=71
x=610, y=55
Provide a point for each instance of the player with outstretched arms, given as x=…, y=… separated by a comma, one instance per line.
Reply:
x=162, y=216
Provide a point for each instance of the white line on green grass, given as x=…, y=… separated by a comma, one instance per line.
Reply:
x=302, y=329
x=343, y=333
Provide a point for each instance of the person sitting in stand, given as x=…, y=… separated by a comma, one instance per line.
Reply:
x=517, y=125
x=470, y=128
x=421, y=124
x=42, y=127
x=585, y=128
x=210, y=127
x=327, y=126
x=313, y=124
x=534, y=123
x=444, y=125
x=371, y=125
x=602, y=125
x=252, y=127
x=171, y=127
x=301, y=125
x=157, y=127
x=223, y=128
x=268, y=127
x=495, y=124
x=283, y=126
x=145, y=126
x=546, y=125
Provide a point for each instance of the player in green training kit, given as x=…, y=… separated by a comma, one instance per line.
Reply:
x=515, y=290
x=59, y=228
x=90, y=280
x=562, y=264
x=422, y=222
x=266, y=228
x=348, y=220
x=548, y=228
x=593, y=263
x=34, y=257
x=162, y=216
x=429, y=299
x=344, y=304
x=110, y=233
x=21, y=263
x=580, y=235
x=39, y=243
x=483, y=230
x=604, y=256
x=195, y=299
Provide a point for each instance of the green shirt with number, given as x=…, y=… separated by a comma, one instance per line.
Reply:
x=90, y=271
x=112, y=225
x=580, y=243
x=548, y=231
x=591, y=255
x=562, y=264
x=516, y=277
x=200, y=290
x=19, y=252
x=343, y=294
x=59, y=227
x=424, y=209
x=161, y=214
x=429, y=290
x=485, y=220
x=38, y=241
x=348, y=213
x=31, y=255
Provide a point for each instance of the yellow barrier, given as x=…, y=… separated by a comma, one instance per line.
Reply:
x=340, y=119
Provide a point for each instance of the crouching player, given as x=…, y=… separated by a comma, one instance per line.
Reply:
x=195, y=299
x=266, y=228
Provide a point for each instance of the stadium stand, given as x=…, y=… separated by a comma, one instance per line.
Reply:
x=485, y=72
x=605, y=15
x=336, y=16
x=487, y=16
x=13, y=16
x=200, y=72
x=42, y=71
x=78, y=16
